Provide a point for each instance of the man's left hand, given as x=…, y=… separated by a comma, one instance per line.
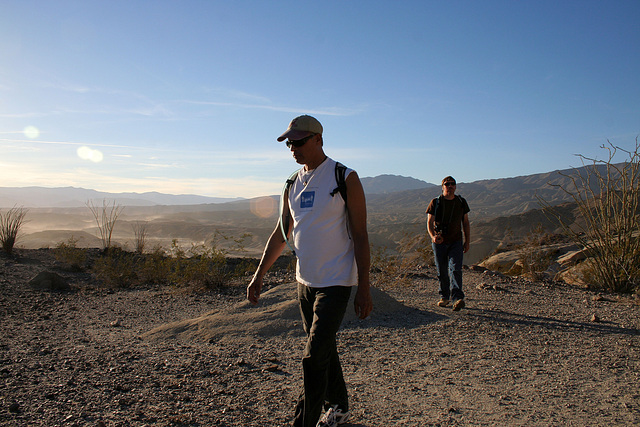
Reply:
x=363, y=304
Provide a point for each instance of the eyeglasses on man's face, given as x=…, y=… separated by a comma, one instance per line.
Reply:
x=297, y=143
x=449, y=184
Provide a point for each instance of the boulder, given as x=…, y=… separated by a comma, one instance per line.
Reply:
x=575, y=275
x=49, y=281
x=501, y=262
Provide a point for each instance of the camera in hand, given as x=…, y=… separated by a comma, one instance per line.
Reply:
x=441, y=229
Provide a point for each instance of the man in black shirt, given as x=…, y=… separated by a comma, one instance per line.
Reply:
x=447, y=220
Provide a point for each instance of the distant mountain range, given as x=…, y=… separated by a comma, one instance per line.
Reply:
x=70, y=197
x=405, y=196
x=384, y=184
x=501, y=210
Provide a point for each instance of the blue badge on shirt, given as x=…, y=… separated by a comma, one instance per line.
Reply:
x=306, y=199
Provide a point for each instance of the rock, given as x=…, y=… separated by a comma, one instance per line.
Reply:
x=493, y=274
x=501, y=262
x=553, y=269
x=595, y=318
x=49, y=281
x=572, y=258
x=517, y=268
x=575, y=275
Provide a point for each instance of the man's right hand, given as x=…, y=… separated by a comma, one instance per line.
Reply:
x=254, y=289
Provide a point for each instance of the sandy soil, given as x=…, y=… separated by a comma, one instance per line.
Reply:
x=521, y=353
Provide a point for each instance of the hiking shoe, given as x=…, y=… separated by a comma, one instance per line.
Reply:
x=443, y=302
x=458, y=305
x=332, y=417
x=342, y=417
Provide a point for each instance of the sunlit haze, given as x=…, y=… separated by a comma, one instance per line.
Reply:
x=189, y=97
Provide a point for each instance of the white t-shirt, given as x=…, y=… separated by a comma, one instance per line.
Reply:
x=320, y=235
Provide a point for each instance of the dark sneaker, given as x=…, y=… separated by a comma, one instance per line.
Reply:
x=443, y=302
x=458, y=305
x=332, y=417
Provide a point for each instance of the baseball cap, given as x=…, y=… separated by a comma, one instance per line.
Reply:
x=301, y=127
x=448, y=179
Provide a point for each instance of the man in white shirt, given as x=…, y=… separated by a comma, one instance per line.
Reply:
x=329, y=236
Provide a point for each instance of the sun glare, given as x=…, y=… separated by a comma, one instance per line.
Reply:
x=86, y=153
x=31, y=132
x=263, y=207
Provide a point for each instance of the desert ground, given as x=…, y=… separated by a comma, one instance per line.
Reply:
x=521, y=353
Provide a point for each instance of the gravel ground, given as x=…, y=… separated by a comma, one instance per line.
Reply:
x=521, y=353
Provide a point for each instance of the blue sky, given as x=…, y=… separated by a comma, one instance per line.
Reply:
x=188, y=97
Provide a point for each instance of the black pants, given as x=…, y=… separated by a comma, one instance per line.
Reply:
x=322, y=311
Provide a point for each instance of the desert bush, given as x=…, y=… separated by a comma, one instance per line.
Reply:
x=533, y=254
x=383, y=261
x=70, y=255
x=199, y=267
x=116, y=268
x=106, y=217
x=228, y=244
x=10, y=223
x=608, y=200
x=395, y=268
x=140, y=234
x=154, y=267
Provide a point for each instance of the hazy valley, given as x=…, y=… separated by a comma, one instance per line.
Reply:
x=396, y=205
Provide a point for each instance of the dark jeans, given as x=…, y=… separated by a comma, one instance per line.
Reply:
x=448, y=259
x=322, y=311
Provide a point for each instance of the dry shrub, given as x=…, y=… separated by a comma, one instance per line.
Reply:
x=140, y=234
x=117, y=268
x=395, y=268
x=608, y=200
x=10, y=223
x=534, y=254
x=198, y=268
x=106, y=217
x=72, y=257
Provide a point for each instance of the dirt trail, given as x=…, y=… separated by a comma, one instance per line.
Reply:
x=521, y=353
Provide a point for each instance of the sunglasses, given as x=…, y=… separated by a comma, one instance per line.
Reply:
x=299, y=142
x=449, y=184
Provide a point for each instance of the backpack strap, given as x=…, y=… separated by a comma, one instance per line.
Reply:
x=340, y=180
x=340, y=172
x=437, y=211
x=285, y=218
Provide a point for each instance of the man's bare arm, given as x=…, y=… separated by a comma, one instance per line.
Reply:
x=357, y=211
